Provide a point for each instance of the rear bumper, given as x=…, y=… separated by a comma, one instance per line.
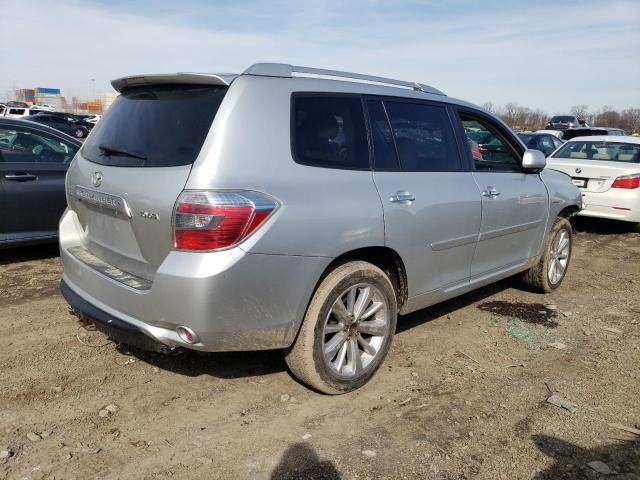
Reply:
x=231, y=299
x=615, y=204
x=114, y=327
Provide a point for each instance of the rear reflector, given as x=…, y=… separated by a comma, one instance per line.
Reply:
x=215, y=220
x=631, y=181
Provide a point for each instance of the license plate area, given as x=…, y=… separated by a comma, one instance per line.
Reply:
x=580, y=182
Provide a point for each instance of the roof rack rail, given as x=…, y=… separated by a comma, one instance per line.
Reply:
x=286, y=71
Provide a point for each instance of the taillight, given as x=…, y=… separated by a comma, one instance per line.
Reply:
x=214, y=220
x=631, y=181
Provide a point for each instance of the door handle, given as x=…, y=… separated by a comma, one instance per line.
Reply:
x=20, y=177
x=490, y=192
x=402, y=197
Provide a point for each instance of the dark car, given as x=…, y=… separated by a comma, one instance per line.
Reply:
x=544, y=142
x=75, y=118
x=562, y=122
x=592, y=131
x=61, y=122
x=33, y=163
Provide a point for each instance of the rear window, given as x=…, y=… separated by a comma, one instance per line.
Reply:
x=329, y=132
x=563, y=118
x=608, y=151
x=154, y=126
x=583, y=132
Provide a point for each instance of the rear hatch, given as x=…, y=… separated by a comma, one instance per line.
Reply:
x=125, y=181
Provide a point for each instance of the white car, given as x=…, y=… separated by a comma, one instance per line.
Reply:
x=93, y=119
x=607, y=171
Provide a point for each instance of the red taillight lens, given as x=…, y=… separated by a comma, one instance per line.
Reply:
x=209, y=220
x=632, y=181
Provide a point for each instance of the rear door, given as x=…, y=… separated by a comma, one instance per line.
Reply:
x=431, y=203
x=33, y=167
x=514, y=202
x=132, y=168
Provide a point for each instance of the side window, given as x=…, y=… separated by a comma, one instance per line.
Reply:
x=385, y=156
x=329, y=131
x=20, y=145
x=547, y=144
x=489, y=149
x=424, y=137
x=556, y=142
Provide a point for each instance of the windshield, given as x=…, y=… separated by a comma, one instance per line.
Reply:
x=163, y=126
x=594, y=150
x=563, y=119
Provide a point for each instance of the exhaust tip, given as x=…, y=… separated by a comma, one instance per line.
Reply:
x=187, y=335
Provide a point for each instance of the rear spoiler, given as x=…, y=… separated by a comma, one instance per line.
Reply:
x=220, y=79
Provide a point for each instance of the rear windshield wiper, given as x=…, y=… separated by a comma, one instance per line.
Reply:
x=109, y=150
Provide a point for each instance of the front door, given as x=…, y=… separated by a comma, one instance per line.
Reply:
x=431, y=203
x=32, y=172
x=514, y=201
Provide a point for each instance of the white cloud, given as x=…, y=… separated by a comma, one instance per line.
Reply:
x=549, y=57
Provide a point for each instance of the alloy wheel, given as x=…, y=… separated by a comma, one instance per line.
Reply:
x=355, y=330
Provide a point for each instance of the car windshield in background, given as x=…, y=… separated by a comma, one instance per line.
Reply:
x=594, y=150
x=562, y=119
x=163, y=126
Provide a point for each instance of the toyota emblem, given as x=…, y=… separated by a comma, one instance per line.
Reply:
x=96, y=179
x=578, y=170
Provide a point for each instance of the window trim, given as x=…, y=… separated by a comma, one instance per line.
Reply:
x=464, y=167
x=508, y=137
x=292, y=129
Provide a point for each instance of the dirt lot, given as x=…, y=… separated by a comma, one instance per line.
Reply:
x=462, y=394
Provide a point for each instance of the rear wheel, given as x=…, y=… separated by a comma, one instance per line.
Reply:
x=548, y=274
x=79, y=133
x=347, y=330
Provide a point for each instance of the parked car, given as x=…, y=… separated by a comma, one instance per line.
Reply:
x=76, y=119
x=40, y=108
x=275, y=210
x=592, y=131
x=61, y=122
x=16, y=112
x=607, y=171
x=33, y=163
x=93, y=119
x=562, y=122
x=544, y=142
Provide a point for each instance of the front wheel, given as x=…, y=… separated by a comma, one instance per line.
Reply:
x=548, y=274
x=347, y=330
x=79, y=133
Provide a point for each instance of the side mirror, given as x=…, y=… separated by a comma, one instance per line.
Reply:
x=533, y=160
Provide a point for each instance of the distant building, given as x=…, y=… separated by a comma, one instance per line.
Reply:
x=26, y=95
x=51, y=97
x=108, y=98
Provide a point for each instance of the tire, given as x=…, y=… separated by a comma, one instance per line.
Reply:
x=540, y=278
x=79, y=133
x=327, y=326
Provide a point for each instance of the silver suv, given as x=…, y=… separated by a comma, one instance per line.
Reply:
x=299, y=209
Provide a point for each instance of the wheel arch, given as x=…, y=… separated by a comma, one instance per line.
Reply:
x=385, y=258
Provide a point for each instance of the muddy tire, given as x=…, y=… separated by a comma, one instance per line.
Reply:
x=347, y=330
x=548, y=274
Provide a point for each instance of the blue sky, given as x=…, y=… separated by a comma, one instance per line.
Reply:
x=542, y=54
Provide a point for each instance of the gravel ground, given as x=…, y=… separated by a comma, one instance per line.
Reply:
x=462, y=394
